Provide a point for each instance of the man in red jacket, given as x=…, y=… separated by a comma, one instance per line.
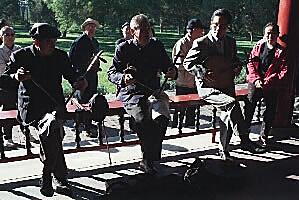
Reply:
x=266, y=77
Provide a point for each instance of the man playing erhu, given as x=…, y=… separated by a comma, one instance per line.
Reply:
x=145, y=57
x=210, y=60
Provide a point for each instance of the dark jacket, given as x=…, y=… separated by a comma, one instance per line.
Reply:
x=147, y=60
x=47, y=71
x=119, y=41
x=81, y=52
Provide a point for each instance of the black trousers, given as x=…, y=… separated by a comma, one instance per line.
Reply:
x=150, y=132
x=270, y=98
x=92, y=79
x=8, y=101
x=189, y=112
x=51, y=152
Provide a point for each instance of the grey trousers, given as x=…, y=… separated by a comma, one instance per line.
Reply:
x=231, y=117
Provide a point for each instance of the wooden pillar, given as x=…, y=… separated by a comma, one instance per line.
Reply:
x=288, y=21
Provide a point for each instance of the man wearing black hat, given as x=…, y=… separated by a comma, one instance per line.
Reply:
x=38, y=70
x=185, y=83
x=211, y=60
x=126, y=34
x=81, y=53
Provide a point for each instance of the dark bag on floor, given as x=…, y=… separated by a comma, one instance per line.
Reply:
x=208, y=174
x=99, y=107
x=193, y=173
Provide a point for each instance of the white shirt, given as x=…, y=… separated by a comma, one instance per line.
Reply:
x=5, y=54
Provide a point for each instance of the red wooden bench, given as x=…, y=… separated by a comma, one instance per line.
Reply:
x=79, y=113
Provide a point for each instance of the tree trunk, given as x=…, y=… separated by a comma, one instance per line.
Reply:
x=161, y=25
x=103, y=27
x=251, y=37
x=64, y=34
x=179, y=29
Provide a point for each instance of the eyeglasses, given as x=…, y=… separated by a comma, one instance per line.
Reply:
x=9, y=34
x=221, y=26
x=271, y=33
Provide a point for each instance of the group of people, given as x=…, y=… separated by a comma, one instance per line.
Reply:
x=137, y=61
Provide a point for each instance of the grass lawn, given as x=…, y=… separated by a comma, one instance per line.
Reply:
x=107, y=40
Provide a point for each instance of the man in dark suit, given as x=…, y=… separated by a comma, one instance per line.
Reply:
x=205, y=54
x=39, y=69
x=81, y=53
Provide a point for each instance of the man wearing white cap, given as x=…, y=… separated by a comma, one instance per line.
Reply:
x=81, y=53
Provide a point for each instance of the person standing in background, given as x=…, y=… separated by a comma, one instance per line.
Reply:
x=185, y=83
x=81, y=53
x=3, y=23
x=266, y=78
x=126, y=34
x=8, y=98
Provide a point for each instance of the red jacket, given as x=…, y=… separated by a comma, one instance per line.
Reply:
x=276, y=71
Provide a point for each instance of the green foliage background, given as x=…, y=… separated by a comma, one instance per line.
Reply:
x=107, y=44
x=168, y=17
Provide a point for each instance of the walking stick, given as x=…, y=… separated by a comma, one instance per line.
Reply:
x=91, y=65
x=107, y=144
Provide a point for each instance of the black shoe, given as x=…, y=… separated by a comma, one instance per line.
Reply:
x=147, y=167
x=62, y=186
x=224, y=155
x=46, y=188
x=252, y=147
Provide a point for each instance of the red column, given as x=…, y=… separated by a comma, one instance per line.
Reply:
x=288, y=21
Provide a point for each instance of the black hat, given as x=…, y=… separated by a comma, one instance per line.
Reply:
x=195, y=23
x=44, y=30
x=124, y=25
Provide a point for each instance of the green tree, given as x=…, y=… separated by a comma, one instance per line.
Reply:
x=67, y=13
x=10, y=10
x=36, y=8
x=251, y=15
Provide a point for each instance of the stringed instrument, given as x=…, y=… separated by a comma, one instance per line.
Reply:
x=222, y=69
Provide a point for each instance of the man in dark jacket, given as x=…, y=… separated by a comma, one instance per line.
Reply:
x=39, y=69
x=134, y=69
x=81, y=53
